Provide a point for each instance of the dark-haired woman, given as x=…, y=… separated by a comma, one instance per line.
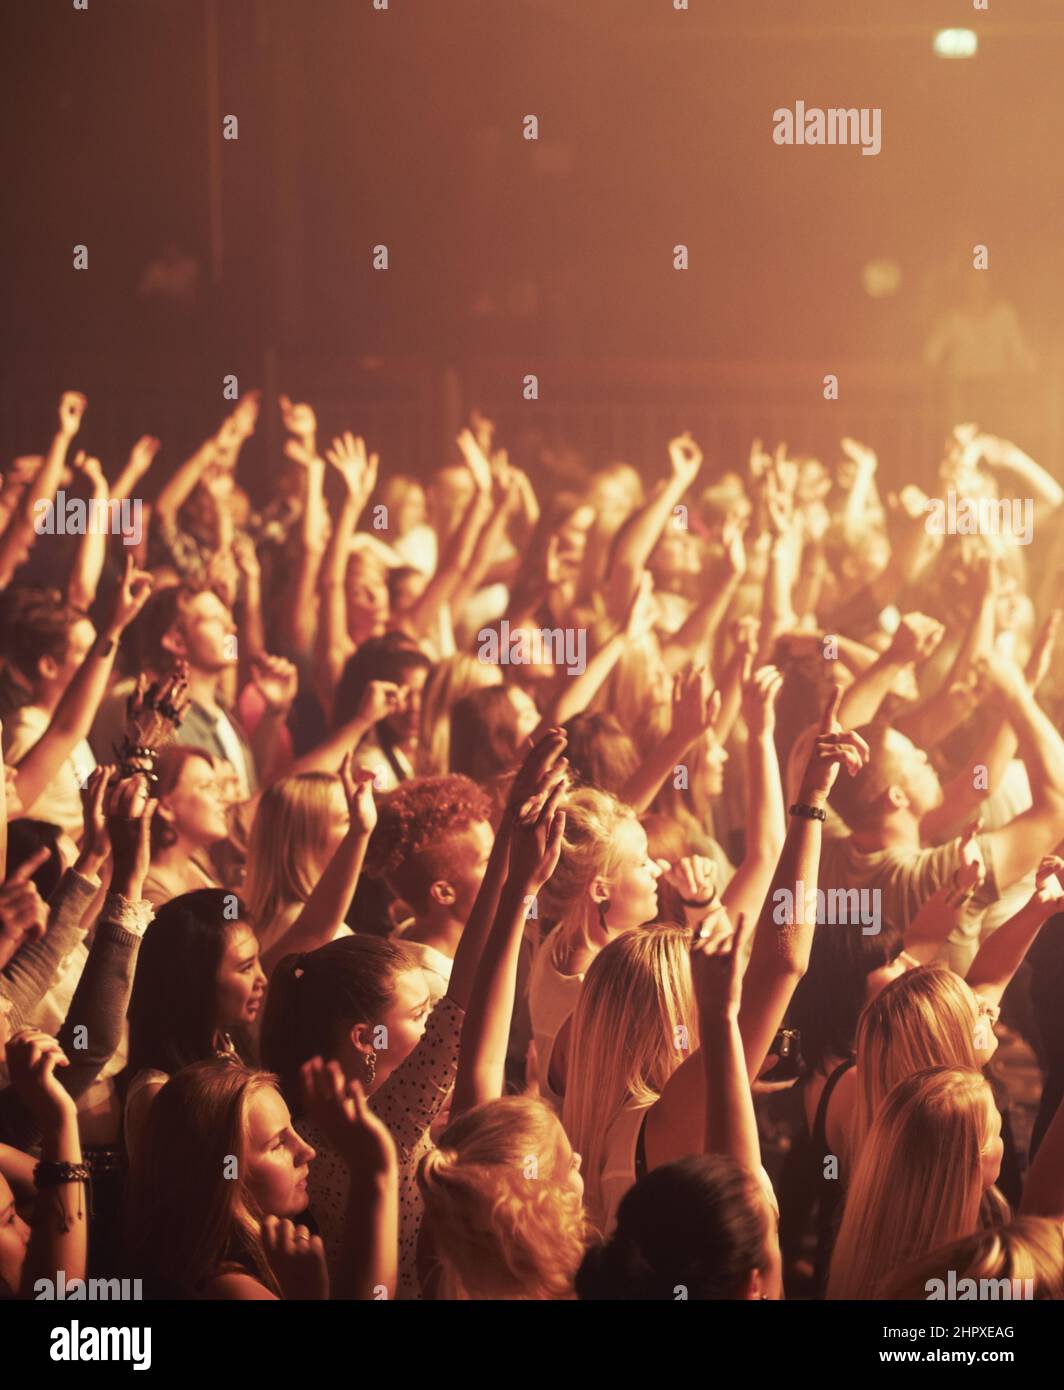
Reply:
x=198, y=992
x=699, y=1228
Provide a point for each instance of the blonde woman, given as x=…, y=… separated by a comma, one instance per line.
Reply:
x=925, y=1176
x=299, y=824
x=449, y=681
x=1028, y=1253
x=605, y=883
x=504, y=1203
x=635, y=1096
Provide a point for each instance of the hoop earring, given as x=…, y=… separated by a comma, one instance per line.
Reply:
x=371, y=1068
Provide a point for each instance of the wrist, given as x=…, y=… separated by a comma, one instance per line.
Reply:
x=812, y=796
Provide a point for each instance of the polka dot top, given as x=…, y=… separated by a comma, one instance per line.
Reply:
x=408, y=1102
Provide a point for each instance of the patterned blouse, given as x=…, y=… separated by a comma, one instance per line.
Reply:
x=408, y=1103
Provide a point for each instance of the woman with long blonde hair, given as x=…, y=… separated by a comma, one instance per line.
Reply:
x=925, y=1176
x=299, y=824
x=605, y=883
x=927, y=1017
x=449, y=681
x=635, y=1023
x=503, y=1202
x=1028, y=1253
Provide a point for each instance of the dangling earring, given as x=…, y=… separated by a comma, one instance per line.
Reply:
x=603, y=908
x=371, y=1068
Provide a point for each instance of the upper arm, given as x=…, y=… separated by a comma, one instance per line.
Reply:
x=1019, y=847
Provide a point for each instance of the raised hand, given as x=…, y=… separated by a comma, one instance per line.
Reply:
x=718, y=959
x=95, y=843
x=297, y=1259
x=72, y=405
x=32, y=1057
x=1048, y=879
x=695, y=703
x=685, y=458
x=483, y=430
x=379, y=700
x=860, y=455
x=358, y=789
x=760, y=690
x=542, y=768
x=475, y=458
x=277, y=681
x=338, y=1108
x=92, y=470
x=154, y=710
x=141, y=457
x=832, y=748
x=917, y=638
x=129, y=817
x=357, y=468
x=732, y=540
x=131, y=596
x=695, y=881
x=23, y=912
x=539, y=826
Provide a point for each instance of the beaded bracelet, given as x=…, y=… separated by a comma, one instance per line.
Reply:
x=809, y=812
x=55, y=1174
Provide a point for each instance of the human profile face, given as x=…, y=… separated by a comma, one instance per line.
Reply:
x=528, y=718
x=278, y=1160
x=984, y=1016
x=567, y=1173
x=240, y=981
x=81, y=637
x=394, y=1036
x=209, y=631
x=368, y=604
x=915, y=774
x=715, y=755
x=468, y=851
x=195, y=807
x=14, y=1238
x=632, y=887
x=994, y=1146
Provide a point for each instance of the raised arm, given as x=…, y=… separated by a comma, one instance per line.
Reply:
x=92, y=546
x=40, y=491
x=640, y=533
x=60, y=1232
x=717, y=959
x=784, y=936
x=536, y=842
x=368, y=1267
x=765, y=819
x=1002, y=953
x=324, y=910
x=73, y=716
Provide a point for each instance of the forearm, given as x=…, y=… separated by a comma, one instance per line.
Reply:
x=323, y=912
x=486, y=1028
x=731, y=1126
x=176, y=492
x=649, y=777
x=453, y=563
x=370, y=1258
x=29, y=974
x=88, y=563
x=577, y=692
x=265, y=743
x=92, y=1029
x=328, y=756
x=861, y=702
x=783, y=940
x=475, y=934
x=60, y=1236
x=642, y=535
x=699, y=631
x=1002, y=953
x=962, y=796
x=1041, y=746
x=1043, y=1192
x=20, y=530
x=253, y=634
